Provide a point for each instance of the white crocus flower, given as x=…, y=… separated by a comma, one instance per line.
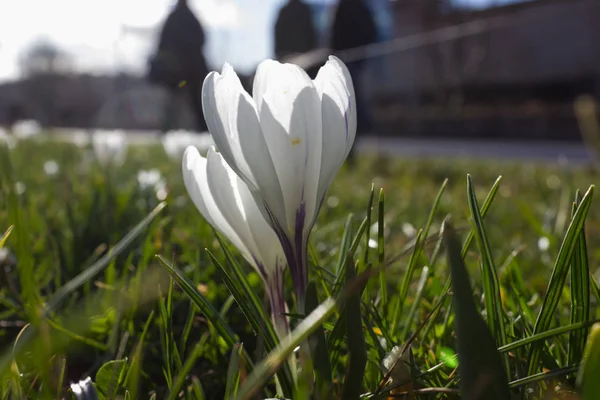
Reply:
x=287, y=143
x=25, y=129
x=51, y=168
x=7, y=139
x=110, y=146
x=152, y=179
x=175, y=142
x=149, y=178
x=226, y=203
x=80, y=138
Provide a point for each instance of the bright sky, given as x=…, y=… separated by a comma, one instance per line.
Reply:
x=90, y=30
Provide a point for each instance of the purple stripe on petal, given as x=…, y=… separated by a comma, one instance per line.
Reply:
x=295, y=249
x=300, y=244
x=346, y=122
x=275, y=286
x=261, y=269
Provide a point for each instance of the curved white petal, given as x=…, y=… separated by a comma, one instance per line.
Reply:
x=240, y=210
x=225, y=105
x=195, y=177
x=338, y=105
x=290, y=116
x=232, y=119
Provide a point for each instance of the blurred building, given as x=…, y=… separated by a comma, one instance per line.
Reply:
x=516, y=80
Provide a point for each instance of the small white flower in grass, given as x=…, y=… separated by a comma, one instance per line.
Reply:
x=51, y=168
x=408, y=229
x=543, y=243
x=175, y=142
x=7, y=139
x=287, y=142
x=110, y=146
x=20, y=188
x=152, y=179
x=149, y=178
x=228, y=205
x=80, y=138
x=26, y=129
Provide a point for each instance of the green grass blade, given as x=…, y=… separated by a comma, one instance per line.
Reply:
x=482, y=375
x=187, y=328
x=203, y=305
x=466, y=245
x=491, y=283
x=318, y=348
x=341, y=271
x=4, y=237
x=233, y=372
x=248, y=302
x=166, y=339
x=337, y=334
x=595, y=287
x=269, y=366
x=580, y=293
x=434, y=208
x=546, y=334
x=61, y=377
x=187, y=367
x=249, y=294
x=341, y=262
x=134, y=372
x=484, y=209
x=197, y=389
x=542, y=376
x=256, y=316
x=417, y=301
x=381, y=252
x=369, y=215
x=587, y=379
x=403, y=293
x=558, y=278
x=357, y=358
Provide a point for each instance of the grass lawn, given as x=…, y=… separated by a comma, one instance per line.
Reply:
x=132, y=324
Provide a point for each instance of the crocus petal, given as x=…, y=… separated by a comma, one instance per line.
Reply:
x=338, y=103
x=241, y=212
x=290, y=117
x=228, y=205
x=196, y=182
x=232, y=119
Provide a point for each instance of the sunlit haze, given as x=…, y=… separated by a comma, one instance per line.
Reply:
x=110, y=35
x=93, y=33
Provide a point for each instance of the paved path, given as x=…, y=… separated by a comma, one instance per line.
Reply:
x=533, y=151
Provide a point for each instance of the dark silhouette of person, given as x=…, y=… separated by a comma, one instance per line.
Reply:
x=179, y=64
x=294, y=30
x=354, y=26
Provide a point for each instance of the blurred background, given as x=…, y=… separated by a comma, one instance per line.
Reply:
x=443, y=69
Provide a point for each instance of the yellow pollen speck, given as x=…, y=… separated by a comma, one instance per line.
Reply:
x=295, y=141
x=182, y=84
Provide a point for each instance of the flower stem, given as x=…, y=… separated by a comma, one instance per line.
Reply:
x=275, y=289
